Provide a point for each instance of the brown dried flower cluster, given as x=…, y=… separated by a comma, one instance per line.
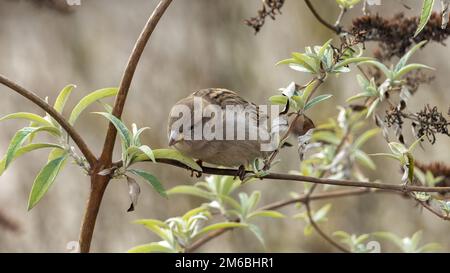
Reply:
x=270, y=8
x=431, y=122
x=395, y=35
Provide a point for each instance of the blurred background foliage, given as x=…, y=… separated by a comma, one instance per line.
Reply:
x=45, y=45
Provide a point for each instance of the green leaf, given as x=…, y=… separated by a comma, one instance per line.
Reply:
x=44, y=180
x=26, y=149
x=352, y=60
x=191, y=190
x=410, y=67
x=372, y=107
x=415, y=143
x=258, y=233
x=322, y=50
x=359, y=96
x=364, y=159
x=123, y=131
x=391, y=237
x=266, y=213
x=305, y=61
x=365, y=137
x=321, y=213
x=55, y=153
x=427, y=9
x=152, y=180
x=171, y=154
x=89, y=99
x=28, y=116
x=387, y=72
x=316, y=100
x=219, y=226
x=402, y=62
x=62, y=97
x=278, y=99
x=397, y=148
x=326, y=136
x=19, y=138
x=387, y=155
x=143, y=149
x=151, y=248
x=155, y=226
x=308, y=90
x=286, y=61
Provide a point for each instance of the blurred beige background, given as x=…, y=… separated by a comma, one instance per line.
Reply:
x=198, y=44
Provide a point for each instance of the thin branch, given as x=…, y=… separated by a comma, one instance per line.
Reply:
x=200, y=242
x=433, y=210
x=321, y=232
x=127, y=77
x=301, y=178
x=279, y=204
x=90, y=157
x=335, y=29
x=340, y=17
x=98, y=182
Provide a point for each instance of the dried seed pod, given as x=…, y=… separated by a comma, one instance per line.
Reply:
x=302, y=125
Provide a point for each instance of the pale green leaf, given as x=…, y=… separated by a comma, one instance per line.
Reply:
x=151, y=248
x=28, y=116
x=25, y=149
x=152, y=180
x=122, y=130
x=266, y=213
x=173, y=155
x=410, y=67
x=364, y=159
x=44, y=180
x=427, y=9
x=89, y=99
x=63, y=97
x=223, y=225
x=316, y=100
x=190, y=190
x=353, y=60
x=365, y=137
x=402, y=62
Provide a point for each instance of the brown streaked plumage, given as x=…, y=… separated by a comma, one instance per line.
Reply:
x=219, y=152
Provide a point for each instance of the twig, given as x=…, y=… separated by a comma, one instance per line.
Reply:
x=340, y=17
x=321, y=232
x=335, y=29
x=432, y=210
x=200, y=242
x=276, y=205
x=301, y=178
x=279, y=204
x=128, y=76
x=98, y=182
x=90, y=157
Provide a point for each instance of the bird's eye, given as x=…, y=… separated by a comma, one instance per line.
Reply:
x=192, y=127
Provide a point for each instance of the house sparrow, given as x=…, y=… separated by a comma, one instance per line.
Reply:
x=221, y=150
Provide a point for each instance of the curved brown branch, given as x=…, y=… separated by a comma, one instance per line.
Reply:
x=90, y=157
x=277, y=205
x=335, y=29
x=321, y=232
x=128, y=76
x=98, y=182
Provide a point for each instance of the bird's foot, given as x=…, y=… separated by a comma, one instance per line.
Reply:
x=197, y=173
x=241, y=172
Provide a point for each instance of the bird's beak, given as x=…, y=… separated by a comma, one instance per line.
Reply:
x=174, y=137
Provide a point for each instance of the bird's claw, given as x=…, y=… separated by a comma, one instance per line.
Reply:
x=197, y=174
x=241, y=172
